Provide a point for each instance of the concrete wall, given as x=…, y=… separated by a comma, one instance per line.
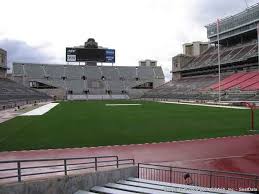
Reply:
x=148, y=63
x=3, y=72
x=97, y=97
x=178, y=62
x=59, y=93
x=3, y=58
x=14, y=104
x=69, y=184
x=195, y=48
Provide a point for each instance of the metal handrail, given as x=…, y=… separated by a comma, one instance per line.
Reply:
x=164, y=173
x=54, y=159
x=203, y=170
x=95, y=163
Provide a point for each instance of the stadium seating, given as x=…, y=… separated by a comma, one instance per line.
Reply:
x=229, y=54
x=225, y=81
x=254, y=86
x=13, y=94
x=235, y=87
x=186, y=88
x=248, y=81
x=136, y=185
x=95, y=80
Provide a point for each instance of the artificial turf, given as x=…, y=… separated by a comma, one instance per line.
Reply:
x=79, y=124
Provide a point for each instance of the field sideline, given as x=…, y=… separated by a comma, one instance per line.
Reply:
x=85, y=124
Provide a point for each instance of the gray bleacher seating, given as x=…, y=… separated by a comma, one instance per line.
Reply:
x=33, y=71
x=145, y=72
x=110, y=73
x=159, y=73
x=83, y=192
x=185, y=89
x=75, y=85
x=93, y=72
x=229, y=54
x=12, y=93
x=74, y=72
x=54, y=71
x=136, y=185
x=128, y=73
x=96, y=80
x=18, y=70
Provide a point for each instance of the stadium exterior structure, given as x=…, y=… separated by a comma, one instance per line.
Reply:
x=197, y=77
x=82, y=82
x=3, y=63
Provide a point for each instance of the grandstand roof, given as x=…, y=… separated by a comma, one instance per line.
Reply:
x=235, y=25
x=229, y=18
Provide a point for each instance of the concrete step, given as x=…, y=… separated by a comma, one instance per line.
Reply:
x=83, y=192
x=136, y=185
x=106, y=190
x=136, y=189
x=188, y=188
x=161, y=187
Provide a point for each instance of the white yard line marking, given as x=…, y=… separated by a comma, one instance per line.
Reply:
x=41, y=110
x=208, y=105
x=123, y=104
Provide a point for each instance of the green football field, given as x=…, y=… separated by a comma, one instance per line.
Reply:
x=80, y=124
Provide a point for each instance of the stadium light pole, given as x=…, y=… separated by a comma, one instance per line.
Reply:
x=218, y=60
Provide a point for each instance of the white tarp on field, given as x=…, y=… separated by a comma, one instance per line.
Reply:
x=123, y=104
x=41, y=110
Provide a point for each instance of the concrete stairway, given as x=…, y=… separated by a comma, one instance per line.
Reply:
x=135, y=185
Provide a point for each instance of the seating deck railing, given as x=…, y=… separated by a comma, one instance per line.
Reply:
x=198, y=177
x=17, y=170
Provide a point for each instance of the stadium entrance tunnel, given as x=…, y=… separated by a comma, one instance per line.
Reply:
x=147, y=85
x=40, y=85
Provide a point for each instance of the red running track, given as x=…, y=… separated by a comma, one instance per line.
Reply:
x=239, y=154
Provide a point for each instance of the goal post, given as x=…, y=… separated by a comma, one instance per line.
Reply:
x=252, y=106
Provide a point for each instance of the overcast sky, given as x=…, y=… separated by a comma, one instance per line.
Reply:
x=39, y=30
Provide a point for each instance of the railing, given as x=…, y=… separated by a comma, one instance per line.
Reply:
x=18, y=170
x=203, y=178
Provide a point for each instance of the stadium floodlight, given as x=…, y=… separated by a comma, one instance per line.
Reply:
x=218, y=61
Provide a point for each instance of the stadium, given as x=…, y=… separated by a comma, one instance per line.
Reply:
x=90, y=126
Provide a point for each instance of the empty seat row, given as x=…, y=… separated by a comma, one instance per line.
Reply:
x=246, y=81
x=97, y=80
x=227, y=55
x=238, y=86
x=90, y=72
x=136, y=185
x=12, y=92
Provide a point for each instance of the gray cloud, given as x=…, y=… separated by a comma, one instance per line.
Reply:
x=20, y=51
x=207, y=11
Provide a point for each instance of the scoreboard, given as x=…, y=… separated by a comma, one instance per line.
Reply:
x=90, y=54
